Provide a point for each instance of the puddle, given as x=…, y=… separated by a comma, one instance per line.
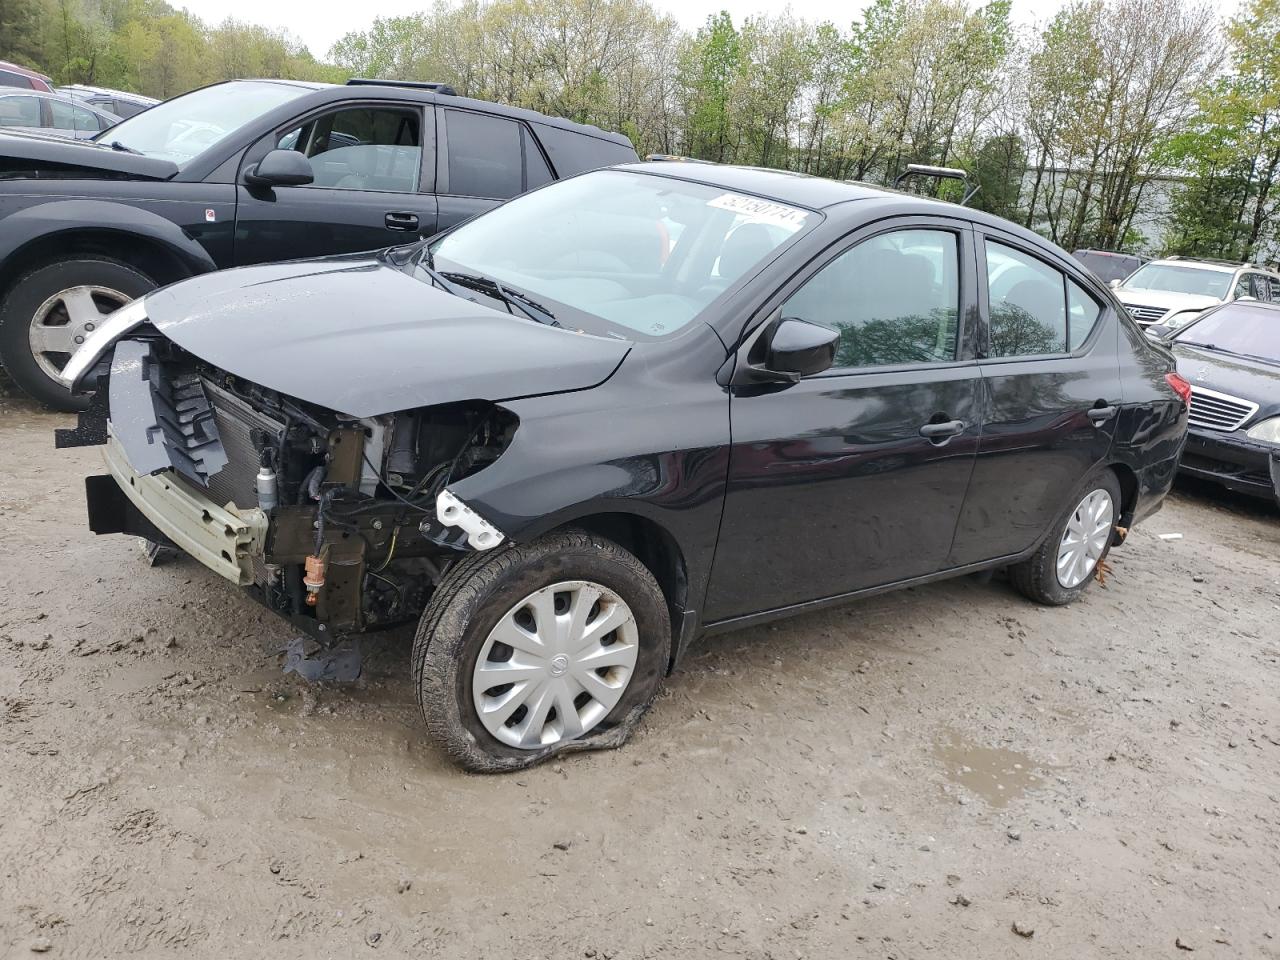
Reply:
x=997, y=776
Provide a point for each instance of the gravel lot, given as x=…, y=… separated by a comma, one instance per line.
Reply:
x=946, y=772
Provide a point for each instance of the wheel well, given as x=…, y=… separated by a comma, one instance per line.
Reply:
x=1128, y=491
x=655, y=548
x=154, y=259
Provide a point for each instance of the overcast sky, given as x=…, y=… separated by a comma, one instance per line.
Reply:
x=318, y=25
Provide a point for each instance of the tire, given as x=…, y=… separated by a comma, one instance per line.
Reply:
x=1038, y=576
x=479, y=600
x=88, y=284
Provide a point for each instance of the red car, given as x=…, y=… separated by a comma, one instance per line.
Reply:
x=12, y=75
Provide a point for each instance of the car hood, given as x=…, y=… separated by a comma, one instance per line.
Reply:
x=43, y=155
x=359, y=336
x=1248, y=379
x=1165, y=299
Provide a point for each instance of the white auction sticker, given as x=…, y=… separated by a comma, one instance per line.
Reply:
x=762, y=211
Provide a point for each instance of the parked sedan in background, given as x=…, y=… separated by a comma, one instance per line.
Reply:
x=12, y=75
x=119, y=102
x=1231, y=356
x=567, y=445
x=52, y=114
x=245, y=172
x=1174, y=291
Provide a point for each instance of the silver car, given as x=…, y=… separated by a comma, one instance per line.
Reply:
x=37, y=112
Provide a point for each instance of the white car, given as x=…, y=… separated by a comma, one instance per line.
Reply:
x=1173, y=292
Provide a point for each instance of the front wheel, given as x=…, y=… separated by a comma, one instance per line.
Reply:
x=49, y=312
x=539, y=648
x=1066, y=562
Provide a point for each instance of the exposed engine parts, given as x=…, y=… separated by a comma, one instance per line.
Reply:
x=361, y=525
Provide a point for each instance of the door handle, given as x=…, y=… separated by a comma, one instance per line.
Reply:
x=942, y=431
x=1100, y=415
x=401, y=221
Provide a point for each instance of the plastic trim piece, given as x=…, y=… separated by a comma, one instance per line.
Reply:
x=452, y=512
x=223, y=539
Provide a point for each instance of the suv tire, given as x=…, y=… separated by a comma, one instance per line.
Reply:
x=66, y=294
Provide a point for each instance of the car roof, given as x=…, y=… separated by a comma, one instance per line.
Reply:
x=424, y=95
x=107, y=92
x=25, y=71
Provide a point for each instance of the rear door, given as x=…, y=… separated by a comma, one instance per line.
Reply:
x=1051, y=379
x=855, y=478
x=484, y=159
x=374, y=166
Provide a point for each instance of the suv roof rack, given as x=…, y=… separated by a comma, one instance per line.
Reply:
x=942, y=173
x=441, y=88
x=674, y=158
x=1221, y=263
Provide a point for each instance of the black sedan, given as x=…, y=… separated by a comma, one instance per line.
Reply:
x=642, y=405
x=1231, y=356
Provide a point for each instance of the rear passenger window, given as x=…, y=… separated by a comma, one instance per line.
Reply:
x=19, y=112
x=894, y=299
x=1028, y=306
x=484, y=155
x=8, y=79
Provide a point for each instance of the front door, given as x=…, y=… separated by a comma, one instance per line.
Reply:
x=855, y=478
x=1051, y=374
x=371, y=165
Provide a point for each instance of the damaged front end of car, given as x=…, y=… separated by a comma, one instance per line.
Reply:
x=339, y=523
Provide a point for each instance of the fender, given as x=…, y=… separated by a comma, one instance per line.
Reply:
x=44, y=220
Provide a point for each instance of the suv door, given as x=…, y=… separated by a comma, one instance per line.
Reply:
x=1051, y=375
x=374, y=167
x=484, y=160
x=855, y=478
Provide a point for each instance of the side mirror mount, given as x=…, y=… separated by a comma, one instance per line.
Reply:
x=784, y=351
x=1158, y=331
x=280, y=168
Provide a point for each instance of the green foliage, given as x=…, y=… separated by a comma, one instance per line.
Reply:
x=146, y=46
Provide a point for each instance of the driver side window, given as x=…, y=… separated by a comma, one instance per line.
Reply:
x=894, y=298
x=364, y=148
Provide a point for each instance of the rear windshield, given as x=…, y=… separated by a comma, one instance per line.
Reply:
x=1250, y=331
x=1178, y=278
x=186, y=126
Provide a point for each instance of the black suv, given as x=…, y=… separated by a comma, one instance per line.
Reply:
x=244, y=172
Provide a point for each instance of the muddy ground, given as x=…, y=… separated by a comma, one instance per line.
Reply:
x=911, y=776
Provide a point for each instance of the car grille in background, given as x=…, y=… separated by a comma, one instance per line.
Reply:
x=236, y=422
x=1145, y=314
x=1218, y=411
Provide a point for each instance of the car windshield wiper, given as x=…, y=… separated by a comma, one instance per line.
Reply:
x=120, y=147
x=1202, y=346
x=512, y=298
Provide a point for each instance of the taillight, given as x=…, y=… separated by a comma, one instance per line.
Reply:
x=1180, y=386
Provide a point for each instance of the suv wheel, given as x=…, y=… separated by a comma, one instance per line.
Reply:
x=50, y=311
x=1066, y=562
x=539, y=648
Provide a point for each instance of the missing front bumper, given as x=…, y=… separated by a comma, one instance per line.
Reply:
x=224, y=539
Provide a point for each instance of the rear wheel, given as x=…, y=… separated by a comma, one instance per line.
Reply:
x=47, y=314
x=1068, y=559
x=538, y=648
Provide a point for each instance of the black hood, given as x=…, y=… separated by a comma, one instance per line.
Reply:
x=1243, y=377
x=359, y=336
x=40, y=156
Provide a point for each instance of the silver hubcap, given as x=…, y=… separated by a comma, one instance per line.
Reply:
x=63, y=321
x=555, y=664
x=1084, y=540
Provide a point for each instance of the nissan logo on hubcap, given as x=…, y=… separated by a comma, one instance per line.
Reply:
x=559, y=664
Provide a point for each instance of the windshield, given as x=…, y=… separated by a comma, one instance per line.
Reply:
x=1251, y=331
x=185, y=126
x=1179, y=278
x=645, y=254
